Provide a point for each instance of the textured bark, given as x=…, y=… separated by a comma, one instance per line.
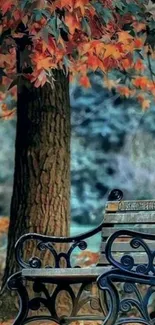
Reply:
x=40, y=201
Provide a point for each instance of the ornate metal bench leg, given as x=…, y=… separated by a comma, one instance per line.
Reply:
x=15, y=283
x=105, y=285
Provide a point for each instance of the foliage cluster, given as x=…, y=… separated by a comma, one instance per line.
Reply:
x=79, y=36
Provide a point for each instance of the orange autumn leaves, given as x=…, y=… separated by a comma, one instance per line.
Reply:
x=4, y=225
x=126, y=92
x=78, y=36
x=142, y=84
x=104, y=56
x=96, y=54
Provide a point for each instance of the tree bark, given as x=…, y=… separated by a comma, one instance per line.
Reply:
x=41, y=191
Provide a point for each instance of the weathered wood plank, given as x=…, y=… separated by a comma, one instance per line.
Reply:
x=140, y=205
x=130, y=217
x=139, y=258
x=64, y=273
x=126, y=247
x=107, y=231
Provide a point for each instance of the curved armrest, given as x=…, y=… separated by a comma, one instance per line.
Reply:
x=127, y=262
x=45, y=242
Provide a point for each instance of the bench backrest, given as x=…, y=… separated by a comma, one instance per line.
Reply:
x=130, y=215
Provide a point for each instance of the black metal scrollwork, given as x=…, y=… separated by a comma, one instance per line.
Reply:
x=77, y=299
x=44, y=243
x=46, y=296
x=106, y=285
x=129, y=304
x=47, y=243
x=127, y=262
x=132, y=299
x=115, y=195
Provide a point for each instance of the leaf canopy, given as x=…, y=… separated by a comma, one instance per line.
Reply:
x=77, y=36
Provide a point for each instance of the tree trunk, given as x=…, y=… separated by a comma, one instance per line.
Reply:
x=41, y=191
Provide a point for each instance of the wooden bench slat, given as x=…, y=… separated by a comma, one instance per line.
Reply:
x=130, y=217
x=64, y=273
x=126, y=247
x=139, y=258
x=107, y=231
x=133, y=205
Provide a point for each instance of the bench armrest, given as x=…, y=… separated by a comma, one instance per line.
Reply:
x=127, y=262
x=44, y=242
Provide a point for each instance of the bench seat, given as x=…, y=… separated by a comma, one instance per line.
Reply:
x=66, y=273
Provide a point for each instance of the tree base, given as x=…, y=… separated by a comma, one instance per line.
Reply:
x=8, y=306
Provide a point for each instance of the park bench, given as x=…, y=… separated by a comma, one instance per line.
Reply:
x=125, y=267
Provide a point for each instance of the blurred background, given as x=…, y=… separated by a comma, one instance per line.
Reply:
x=112, y=146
